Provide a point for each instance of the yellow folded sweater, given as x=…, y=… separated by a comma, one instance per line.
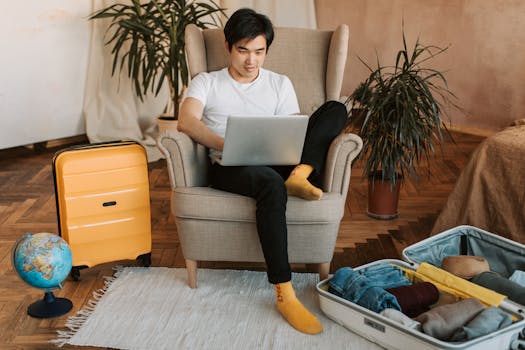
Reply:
x=450, y=283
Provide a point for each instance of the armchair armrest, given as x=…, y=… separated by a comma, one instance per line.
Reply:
x=186, y=159
x=341, y=153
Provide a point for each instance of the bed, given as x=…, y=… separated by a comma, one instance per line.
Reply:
x=490, y=191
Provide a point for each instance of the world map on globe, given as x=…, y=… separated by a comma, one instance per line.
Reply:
x=43, y=260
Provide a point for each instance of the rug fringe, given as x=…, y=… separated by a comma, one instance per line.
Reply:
x=74, y=323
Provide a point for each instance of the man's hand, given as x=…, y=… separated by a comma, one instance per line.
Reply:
x=191, y=124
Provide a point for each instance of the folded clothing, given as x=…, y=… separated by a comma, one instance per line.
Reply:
x=445, y=281
x=518, y=277
x=502, y=285
x=385, y=276
x=357, y=288
x=465, y=266
x=443, y=321
x=415, y=299
x=400, y=318
x=446, y=298
x=487, y=321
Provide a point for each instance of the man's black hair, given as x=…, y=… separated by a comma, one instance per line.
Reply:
x=247, y=24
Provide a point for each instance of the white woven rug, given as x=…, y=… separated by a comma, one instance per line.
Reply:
x=153, y=308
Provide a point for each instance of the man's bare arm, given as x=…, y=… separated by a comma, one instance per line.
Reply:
x=191, y=124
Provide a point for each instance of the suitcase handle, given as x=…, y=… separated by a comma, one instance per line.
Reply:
x=97, y=144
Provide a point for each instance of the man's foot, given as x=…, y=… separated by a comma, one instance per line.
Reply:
x=298, y=185
x=294, y=312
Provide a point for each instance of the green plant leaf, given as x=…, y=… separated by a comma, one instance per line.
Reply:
x=148, y=40
x=404, y=104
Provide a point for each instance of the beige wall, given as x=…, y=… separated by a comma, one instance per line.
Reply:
x=43, y=60
x=485, y=61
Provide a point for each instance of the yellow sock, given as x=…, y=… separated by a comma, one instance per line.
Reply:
x=294, y=312
x=298, y=185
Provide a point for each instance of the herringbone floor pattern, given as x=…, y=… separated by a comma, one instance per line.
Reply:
x=27, y=204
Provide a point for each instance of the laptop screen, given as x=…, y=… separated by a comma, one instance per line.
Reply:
x=264, y=140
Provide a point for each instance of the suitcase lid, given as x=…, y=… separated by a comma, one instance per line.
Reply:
x=468, y=240
x=503, y=255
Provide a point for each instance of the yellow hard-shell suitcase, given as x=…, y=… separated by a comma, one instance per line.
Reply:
x=103, y=203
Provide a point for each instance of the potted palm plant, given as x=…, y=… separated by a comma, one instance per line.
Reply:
x=148, y=40
x=403, y=123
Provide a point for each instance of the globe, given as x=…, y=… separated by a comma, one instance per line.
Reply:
x=43, y=260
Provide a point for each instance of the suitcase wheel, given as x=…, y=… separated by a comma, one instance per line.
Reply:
x=75, y=272
x=145, y=259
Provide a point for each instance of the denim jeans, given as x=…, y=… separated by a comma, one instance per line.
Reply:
x=385, y=276
x=367, y=288
x=266, y=185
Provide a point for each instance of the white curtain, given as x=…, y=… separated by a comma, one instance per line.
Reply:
x=111, y=108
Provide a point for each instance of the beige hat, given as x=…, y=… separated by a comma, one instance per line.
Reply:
x=465, y=266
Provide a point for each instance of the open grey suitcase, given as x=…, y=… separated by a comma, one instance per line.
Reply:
x=504, y=256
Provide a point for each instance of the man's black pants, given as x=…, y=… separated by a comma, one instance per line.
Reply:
x=266, y=185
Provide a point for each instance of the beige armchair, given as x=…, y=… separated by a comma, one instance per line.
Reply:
x=214, y=225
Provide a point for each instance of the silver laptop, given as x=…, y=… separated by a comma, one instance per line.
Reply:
x=270, y=140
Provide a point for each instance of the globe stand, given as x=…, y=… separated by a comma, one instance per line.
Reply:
x=49, y=306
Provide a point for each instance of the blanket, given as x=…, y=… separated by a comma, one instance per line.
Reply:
x=490, y=191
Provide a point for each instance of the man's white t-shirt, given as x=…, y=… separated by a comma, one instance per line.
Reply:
x=269, y=94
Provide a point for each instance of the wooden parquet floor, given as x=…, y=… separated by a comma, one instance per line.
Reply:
x=27, y=204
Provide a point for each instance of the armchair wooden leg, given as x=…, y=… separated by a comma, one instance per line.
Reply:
x=191, y=267
x=324, y=270
x=312, y=267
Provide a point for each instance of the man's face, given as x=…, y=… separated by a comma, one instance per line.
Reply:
x=246, y=57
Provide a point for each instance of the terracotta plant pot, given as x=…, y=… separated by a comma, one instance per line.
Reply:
x=382, y=198
x=166, y=122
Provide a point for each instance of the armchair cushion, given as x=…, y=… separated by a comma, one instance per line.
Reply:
x=209, y=204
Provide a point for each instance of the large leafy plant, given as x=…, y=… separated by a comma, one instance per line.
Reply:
x=148, y=40
x=404, y=105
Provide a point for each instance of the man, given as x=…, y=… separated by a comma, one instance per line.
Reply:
x=245, y=88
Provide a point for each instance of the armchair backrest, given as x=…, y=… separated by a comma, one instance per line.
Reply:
x=314, y=60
